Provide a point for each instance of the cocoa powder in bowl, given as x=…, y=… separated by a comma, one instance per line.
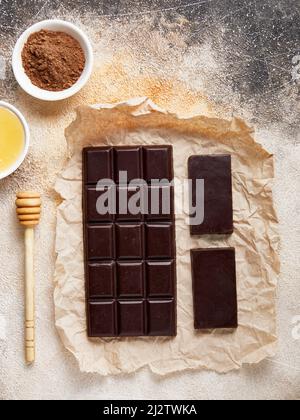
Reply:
x=53, y=61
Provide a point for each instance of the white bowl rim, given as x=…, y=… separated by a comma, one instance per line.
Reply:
x=42, y=94
x=23, y=155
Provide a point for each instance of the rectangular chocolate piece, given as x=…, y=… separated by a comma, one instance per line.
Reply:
x=130, y=257
x=214, y=288
x=215, y=170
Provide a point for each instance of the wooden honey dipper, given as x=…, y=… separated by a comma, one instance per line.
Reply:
x=29, y=213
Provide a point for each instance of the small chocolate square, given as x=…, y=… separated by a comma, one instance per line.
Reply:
x=97, y=164
x=161, y=318
x=129, y=204
x=102, y=319
x=158, y=163
x=160, y=203
x=131, y=318
x=101, y=278
x=128, y=159
x=130, y=279
x=160, y=241
x=101, y=242
x=129, y=240
x=93, y=204
x=160, y=279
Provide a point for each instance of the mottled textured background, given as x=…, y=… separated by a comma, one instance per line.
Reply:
x=220, y=57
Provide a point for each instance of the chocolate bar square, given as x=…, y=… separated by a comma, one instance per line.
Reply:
x=158, y=164
x=128, y=159
x=97, y=164
x=92, y=213
x=214, y=288
x=100, y=240
x=129, y=241
x=160, y=317
x=131, y=318
x=101, y=280
x=160, y=203
x=215, y=171
x=102, y=318
x=160, y=278
x=130, y=279
x=125, y=211
x=160, y=241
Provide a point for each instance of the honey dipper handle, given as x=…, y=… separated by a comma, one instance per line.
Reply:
x=29, y=296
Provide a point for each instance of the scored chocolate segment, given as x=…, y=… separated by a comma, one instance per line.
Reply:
x=92, y=197
x=161, y=205
x=124, y=196
x=160, y=317
x=158, y=163
x=129, y=160
x=101, y=280
x=130, y=257
x=130, y=279
x=160, y=277
x=98, y=164
x=101, y=320
x=100, y=242
x=129, y=241
x=160, y=241
x=131, y=318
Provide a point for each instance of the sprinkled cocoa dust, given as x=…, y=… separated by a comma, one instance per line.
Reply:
x=146, y=57
x=140, y=67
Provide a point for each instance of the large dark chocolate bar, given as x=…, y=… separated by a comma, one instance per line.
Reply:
x=130, y=259
x=214, y=288
x=215, y=170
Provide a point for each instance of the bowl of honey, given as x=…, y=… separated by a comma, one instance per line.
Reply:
x=14, y=139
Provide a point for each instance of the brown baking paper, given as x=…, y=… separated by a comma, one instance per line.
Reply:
x=140, y=122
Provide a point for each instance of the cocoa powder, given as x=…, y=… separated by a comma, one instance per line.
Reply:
x=53, y=61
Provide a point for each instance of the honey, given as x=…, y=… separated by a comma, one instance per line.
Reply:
x=12, y=139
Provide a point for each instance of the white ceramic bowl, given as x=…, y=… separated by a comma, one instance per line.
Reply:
x=22, y=156
x=23, y=79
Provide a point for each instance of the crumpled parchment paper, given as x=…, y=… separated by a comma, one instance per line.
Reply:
x=256, y=240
